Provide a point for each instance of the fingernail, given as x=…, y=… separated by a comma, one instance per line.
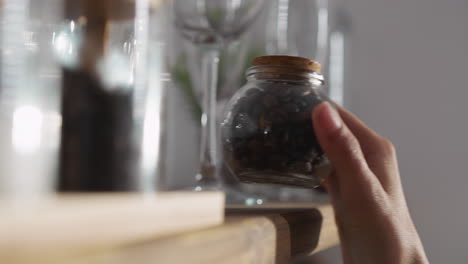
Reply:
x=329, y=118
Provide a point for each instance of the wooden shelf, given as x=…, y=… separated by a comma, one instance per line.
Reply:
x=172, y=228
x=69, y=227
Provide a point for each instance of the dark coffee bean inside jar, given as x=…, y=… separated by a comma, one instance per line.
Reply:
x=267, y=134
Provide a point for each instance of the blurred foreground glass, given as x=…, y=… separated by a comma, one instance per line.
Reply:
x=80, y=84
x=29, y=98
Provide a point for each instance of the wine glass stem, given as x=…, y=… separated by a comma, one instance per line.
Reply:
x=207, y=175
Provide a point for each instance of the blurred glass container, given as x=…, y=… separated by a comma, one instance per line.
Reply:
x=82, y=84
x=267, y=134
x=317, y=29
x=111, y=96
x=292, y=28
x=338, y=52
x=29, y=98
x=298, y=28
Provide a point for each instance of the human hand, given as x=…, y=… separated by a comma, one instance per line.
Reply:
x=373, y=220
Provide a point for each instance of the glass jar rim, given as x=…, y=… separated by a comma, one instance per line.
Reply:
x=277, y=72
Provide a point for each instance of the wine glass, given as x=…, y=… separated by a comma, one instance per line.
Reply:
x=210, y=25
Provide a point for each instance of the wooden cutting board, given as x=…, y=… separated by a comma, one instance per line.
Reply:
x=75, y=225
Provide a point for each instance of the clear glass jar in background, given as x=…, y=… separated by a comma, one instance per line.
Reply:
x=338, y=52
x=317, y=29
x=298, y=28
x=82, y=96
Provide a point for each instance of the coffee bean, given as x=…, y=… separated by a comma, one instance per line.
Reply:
x=269, y=101
x=291, y=108
x=301, y=167
x=278, y=116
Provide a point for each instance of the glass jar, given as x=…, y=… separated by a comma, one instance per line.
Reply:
x=112, y=108
x=267, y=134
x=81, y=96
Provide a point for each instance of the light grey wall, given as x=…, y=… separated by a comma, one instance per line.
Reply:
x=409, y=70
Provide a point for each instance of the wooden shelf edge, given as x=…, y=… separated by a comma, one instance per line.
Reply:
x=302, y=228
x=274, y=233
x=75, y=225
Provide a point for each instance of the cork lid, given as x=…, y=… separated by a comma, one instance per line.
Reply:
x=288, y=61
